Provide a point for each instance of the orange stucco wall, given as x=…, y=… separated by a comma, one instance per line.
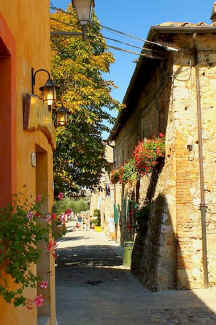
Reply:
x=24, y=30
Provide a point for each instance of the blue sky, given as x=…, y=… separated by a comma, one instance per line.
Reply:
x=136, y=17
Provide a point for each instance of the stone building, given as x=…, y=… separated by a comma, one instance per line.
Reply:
x=174, y=92
x=103, y=197
x=27, y=135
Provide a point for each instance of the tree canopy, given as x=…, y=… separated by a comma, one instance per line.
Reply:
x=78, y=68
x=76, y=206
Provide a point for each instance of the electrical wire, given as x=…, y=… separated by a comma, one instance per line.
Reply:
x=106, y=27
x=108, y=38
x=105, y=37
x=136, y=53
x=125, y=43
x=189, y=76
x=124, y=34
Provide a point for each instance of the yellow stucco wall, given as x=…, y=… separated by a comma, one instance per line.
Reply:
x=28, y=21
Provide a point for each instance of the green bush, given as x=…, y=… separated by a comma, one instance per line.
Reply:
x=97, y=222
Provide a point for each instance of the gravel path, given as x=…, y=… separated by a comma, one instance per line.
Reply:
x=93, y=288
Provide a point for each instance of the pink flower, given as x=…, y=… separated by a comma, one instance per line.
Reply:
x=62, y=218
x=52, y=245
x=161, y=135
x=38, y=198
x=60, y=196
x=68, y=211
x=30, y=216
x=39, y=300
x=54, y=216
x=48, y=218
x=44, y=284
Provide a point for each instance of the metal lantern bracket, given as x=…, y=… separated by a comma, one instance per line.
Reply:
x=34, y=77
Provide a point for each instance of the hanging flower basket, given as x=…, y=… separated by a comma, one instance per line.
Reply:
x=149, y=153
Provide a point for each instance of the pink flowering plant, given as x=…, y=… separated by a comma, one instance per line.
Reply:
x=58, y=225
x=20, y=233
x=148, y=153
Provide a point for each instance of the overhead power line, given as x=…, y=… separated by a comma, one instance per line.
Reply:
x=105, y=37
x=122, y=33
x=145, y=52
x=140, y=39
x=168, y=48
x=125, y=43
x=148, y=55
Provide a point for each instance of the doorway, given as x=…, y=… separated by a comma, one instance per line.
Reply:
x=7, y=125
x=43, y=265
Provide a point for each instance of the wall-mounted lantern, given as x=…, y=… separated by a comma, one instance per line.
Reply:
x=61, y=116
x=48, y=91
x=84, y=10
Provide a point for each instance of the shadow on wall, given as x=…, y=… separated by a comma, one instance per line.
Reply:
x=154, y=123
x=157, y=259
x=155, y=250
x=150, y=254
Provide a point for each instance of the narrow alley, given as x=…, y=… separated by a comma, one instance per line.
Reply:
x=92, y=287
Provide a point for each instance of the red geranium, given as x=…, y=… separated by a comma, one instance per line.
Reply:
x=147, y=152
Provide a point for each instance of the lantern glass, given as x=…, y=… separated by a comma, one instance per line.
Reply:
x=84, y=10
x=61, y=118
x=49, y=92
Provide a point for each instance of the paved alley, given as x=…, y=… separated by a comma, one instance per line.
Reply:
x=92, y=287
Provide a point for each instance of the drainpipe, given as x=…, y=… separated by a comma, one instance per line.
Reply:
x=203, y=206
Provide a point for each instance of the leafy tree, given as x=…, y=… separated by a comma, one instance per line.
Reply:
x=78, y=68
x=76, y=206
x=79, y=157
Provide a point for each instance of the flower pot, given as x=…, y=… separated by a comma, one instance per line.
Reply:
x=98, y=228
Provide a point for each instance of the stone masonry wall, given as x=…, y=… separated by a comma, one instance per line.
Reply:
x=170, y=253
x=155, y=253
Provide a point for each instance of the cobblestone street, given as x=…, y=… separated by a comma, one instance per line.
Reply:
x=92, y=287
